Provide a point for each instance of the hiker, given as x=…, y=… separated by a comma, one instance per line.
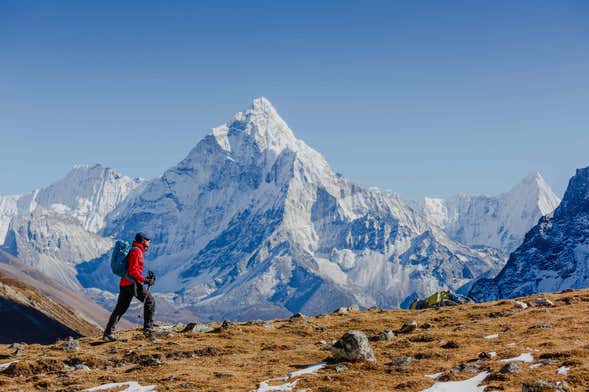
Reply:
x=133, y=287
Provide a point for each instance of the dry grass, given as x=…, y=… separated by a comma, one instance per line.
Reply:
x=238, y=358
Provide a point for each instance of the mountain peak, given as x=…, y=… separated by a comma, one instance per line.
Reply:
x=260, y=121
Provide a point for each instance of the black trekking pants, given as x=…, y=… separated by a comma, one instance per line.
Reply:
x=126, y=295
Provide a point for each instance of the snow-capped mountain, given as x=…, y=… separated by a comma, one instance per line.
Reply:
x=54, y=228
x=555, y=253
x=253, y=223
x=498, y=222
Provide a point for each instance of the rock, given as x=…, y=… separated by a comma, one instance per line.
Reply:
x=408, y=327
x=520, y=305
x=401, y=361
x=541, y=301
x=487, y=355
x=450, y=345
x=544, y=386
x=19, y=352
x=353, y=346
x=426, y=326
x=541, y=326
x=339, y=368
x=510, y=367
x=342, y=311
x=466, y=368
x=227, y=325
x=71, y=344
x=354, y=308
x=198, y=327
x=383, y=336
x=297, y=315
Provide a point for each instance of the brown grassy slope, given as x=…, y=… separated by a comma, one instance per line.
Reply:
x=34, y=305
x=84, y=307
x=238, y=358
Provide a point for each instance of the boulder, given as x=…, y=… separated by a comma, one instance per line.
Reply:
x=198, y=327
x=353, y=346
x=383, y=336
x=520, y=305
x=408, y=327
x=544, y=386
x=510, y=367
x=541, y=301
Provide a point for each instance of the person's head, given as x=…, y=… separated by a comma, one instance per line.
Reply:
x=143, y=239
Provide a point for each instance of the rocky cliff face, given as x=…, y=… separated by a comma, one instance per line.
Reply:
x=555, y=253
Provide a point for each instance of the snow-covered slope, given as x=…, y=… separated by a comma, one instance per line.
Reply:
x=87, y=193
x=499, y=222
x=53, y=229
x=555, y=253
x=254, y=223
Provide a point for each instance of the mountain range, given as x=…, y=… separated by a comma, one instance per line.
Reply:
x=253, y=223
x=554, y=255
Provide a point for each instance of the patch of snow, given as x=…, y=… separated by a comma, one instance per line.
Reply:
x=5, y=366
x=435, y=376
x=132, y=386
x=309, y=370
x=563, y=370
x=470, y=385
x=264, y=387
x=526, y=357
x=536, y=365
x=494, y=336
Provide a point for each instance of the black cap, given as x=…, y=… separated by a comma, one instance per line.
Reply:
x=141, y=236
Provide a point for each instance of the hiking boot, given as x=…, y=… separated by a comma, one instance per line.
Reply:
x=109, y=338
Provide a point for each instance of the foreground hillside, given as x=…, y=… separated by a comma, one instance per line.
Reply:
x=239, y=356
x=26, y=314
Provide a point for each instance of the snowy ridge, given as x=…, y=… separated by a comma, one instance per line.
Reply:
x=555, y=253
x=253, y=223
x=499, y=222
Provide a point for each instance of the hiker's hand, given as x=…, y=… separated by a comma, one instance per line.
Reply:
x=150, y=278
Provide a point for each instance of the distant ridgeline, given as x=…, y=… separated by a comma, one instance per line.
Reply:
x=253, y=223
x=554, y=255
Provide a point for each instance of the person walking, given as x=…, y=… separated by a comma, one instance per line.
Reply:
x=133, y=287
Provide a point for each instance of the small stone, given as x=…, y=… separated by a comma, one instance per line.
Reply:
x=353, y=346
x=541, y=326
x=541, y=301
x=342, y=311
x=340, y=368
x=71, y=344
x=383, y=336
x=450, y=345
x=520, y=305
x=227, y=324
x=544, y=386
x=466, y=368
x=19, y=352
x=198, y=327
x=297, y=315
x=487, y=355
x=322, y=342
x=510, y=367
x=408, y=327
x=401, y=361
x=426, y=326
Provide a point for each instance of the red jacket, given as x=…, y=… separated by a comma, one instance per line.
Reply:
x=134, y=264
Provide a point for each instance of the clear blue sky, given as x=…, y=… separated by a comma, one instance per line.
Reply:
x=421, y=97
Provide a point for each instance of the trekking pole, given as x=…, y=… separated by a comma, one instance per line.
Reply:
x=144, y=299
